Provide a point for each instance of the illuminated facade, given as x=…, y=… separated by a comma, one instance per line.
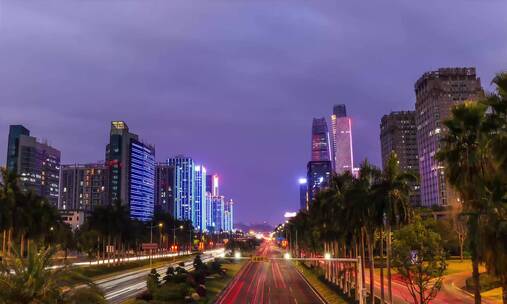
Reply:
x=217, y=213
x=184, y=187
x=341, y=139
x=436, y=92
x=228, y=215
x=142, y=181
x=131, y=166
x=83, y=186
x=36, y=163
x=321, y=150
x=199, y=211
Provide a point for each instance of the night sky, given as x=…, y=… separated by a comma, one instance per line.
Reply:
x=234, y=84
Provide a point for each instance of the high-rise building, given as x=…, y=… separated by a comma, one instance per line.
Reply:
x=217, y=213
x=319, y=175
x=436, y=92
x=37, y=164
x=184, y=188
x=165, y=179
x=15, y=132
x=341, y=139
x=199, y=211
x=228, y=215
x=321, y=150
x=131, y=166
x=83, y=187
x=303, y=194
x=398, y=134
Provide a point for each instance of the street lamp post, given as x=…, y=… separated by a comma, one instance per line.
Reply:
x=151, y=240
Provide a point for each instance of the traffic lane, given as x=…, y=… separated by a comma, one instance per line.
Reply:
x=127, y=285
x=276, y=281
x=273, y=282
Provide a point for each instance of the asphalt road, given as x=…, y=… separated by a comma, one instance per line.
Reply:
x=274, y=281
x=121, y=287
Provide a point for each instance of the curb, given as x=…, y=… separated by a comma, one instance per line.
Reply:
x=311, y=286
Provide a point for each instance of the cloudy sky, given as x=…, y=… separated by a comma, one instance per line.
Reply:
x=234, y=84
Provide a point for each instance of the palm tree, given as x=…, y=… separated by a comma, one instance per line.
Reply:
x=393, y=200
x=466, y=165
x=494, y=228
x=33, y=280
x=362, y=208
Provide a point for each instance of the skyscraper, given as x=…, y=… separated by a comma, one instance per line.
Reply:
x=199, y=214
x=83, y=187
x=341, y=139
x=319, y=175
x=217, y=213
x=37, y=164
x=321, y=150
x=165, y=179
x=131, y=171
x=228, y=215
x=303, y=194
x=398, y=133
x=15, y=132
x=184, y=187
x=436, y=92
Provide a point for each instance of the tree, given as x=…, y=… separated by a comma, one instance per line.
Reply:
x=153, y=281
x=33, y=280
x=420, y=259
x=393, y=199
x=466, y=165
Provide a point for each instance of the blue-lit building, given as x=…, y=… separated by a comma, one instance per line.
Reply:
x=131, y=166
x=142, y=181
x=217, y=213
x=184, y=194
x=228, y=215
x=199, y=210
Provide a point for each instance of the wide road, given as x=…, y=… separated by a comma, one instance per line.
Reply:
x=118, y=288
x=274, y=281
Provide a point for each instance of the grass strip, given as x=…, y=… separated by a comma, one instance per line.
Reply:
x=329, y=295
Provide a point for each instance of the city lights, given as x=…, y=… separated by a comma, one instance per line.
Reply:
x=237, y=255
x=327, y=256
x=286, y=256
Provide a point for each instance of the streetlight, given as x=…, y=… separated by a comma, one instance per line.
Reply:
x=160, y=225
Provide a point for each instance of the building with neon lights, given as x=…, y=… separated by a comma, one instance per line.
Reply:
x=321, y=150
x=37, y=164
x=184, y=195
x=199, y=210
x=131, y=165
x=217, y=214
x=142, y=181
x=229, y=215
x=341, y=139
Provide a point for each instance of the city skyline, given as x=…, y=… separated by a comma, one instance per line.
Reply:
x=68, y=93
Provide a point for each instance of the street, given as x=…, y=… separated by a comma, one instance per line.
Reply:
x=274, y=281
x=123, y=286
